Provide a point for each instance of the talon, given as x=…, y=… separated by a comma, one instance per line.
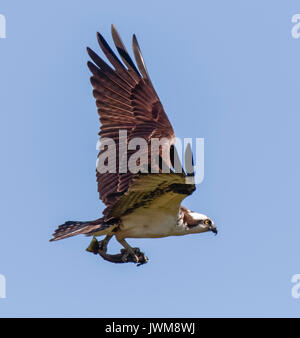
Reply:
x=143, y=259
x=126, y=254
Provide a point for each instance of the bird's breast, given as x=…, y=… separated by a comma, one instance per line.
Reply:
x=148, y=223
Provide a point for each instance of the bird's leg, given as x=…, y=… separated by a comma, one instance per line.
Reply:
x=138, y=256
x=129, y=250
x=127, y=255
x=103, y=244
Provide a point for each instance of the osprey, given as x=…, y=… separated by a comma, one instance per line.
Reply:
x=138, y=205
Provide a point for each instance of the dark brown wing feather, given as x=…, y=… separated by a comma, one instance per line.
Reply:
x=126, y=100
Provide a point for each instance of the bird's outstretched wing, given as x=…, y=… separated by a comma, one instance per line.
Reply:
x=126, y=100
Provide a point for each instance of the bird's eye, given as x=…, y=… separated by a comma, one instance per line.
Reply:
x=207, y=222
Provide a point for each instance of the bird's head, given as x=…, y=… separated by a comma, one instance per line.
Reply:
x=196, y=222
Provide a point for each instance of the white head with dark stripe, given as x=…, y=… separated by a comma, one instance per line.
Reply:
x=195, y=222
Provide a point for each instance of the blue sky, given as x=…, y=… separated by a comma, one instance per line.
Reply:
x=227, y=71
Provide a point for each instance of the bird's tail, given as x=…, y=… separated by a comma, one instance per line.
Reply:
x=73, y=228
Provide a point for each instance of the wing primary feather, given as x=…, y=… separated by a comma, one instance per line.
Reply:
x=112, y=78
x=109, y=53
x=94, y=69
x=98, y=61
x=111, y=56
x=122, y=50
x=139, y=58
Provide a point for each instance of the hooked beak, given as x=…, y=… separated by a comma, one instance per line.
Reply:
x=214, y=230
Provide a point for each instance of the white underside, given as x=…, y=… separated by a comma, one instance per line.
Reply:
x=159, y=219
x=148, y=223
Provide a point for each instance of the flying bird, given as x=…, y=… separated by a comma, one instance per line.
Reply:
x=140, y=204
